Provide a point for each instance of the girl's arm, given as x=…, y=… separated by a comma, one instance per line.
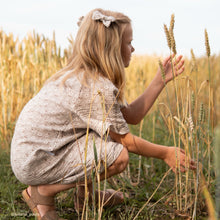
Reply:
x=136, y=111
x=142, y=147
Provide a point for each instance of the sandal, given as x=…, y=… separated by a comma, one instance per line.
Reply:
x=37, y=199
x=111, y=198
x=79, y=202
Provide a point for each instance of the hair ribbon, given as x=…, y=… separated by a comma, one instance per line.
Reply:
x=106, y=20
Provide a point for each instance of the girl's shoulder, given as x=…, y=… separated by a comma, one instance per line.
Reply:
x=105, y=83
x=76, y=85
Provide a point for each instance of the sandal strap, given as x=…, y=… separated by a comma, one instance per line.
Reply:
x=113, y=198
x=110, y=196
x=50, y=215
x=28, y=200
x=39, y=199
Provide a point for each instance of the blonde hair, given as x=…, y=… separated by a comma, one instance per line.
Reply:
x=97, y=50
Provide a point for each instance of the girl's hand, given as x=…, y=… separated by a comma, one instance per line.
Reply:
x=178, y=68
x=176, y=157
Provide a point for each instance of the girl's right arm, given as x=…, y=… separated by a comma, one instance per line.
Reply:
x=171, y=155
x=136, y=111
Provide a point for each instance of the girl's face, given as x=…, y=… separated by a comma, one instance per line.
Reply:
x=126, y=46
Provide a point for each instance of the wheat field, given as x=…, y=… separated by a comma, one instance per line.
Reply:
x=185, y=114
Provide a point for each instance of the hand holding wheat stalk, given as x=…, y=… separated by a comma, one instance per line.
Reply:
x=166, y=72
x=177, y=153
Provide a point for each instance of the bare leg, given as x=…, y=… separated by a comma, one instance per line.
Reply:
x=51, y=190
x=117, y=167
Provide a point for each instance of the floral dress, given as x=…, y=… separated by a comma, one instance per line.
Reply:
x=63, y=130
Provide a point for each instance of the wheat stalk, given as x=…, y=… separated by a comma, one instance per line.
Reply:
x=171, y=28
x=207, y=46
x=167, y=36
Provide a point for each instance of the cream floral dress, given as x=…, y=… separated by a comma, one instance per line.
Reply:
x=60, y=124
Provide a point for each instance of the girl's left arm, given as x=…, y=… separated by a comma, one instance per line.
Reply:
x=172, y=156
x=135, y=112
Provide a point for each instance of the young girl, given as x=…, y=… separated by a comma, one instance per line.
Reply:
x=82, y=105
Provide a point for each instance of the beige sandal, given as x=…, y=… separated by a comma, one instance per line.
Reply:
x=37, y=199
x=111, y=198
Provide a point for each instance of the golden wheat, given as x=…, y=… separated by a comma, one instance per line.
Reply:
x=25, y=65
x=171, y=33
x=167, y=33
x=208, y=51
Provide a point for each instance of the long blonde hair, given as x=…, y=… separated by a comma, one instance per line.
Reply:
x=97, y=50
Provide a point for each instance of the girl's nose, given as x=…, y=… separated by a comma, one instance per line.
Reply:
x=132, y=49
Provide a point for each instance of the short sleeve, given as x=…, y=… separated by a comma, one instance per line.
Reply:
x=98, y=107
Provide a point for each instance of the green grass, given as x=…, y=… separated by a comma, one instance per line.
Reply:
x=13, y=207
x=161, y=205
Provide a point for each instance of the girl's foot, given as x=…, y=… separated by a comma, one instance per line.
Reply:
x=43, y=209
x=108, y=198
x=42, y=205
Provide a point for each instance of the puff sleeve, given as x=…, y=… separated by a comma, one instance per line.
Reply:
x=98, y=107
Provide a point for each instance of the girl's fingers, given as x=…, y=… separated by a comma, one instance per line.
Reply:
x=180, y=64
x=166, y=61
x=178, y=59
x=184, y=162
x=179, y=71
x=189, y=164
x=179, y=67
x=192, y=165
x=192, y=162
x=182, y=151
x=176, y=170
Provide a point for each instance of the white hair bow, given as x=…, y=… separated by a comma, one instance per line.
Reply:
x=106, y=20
